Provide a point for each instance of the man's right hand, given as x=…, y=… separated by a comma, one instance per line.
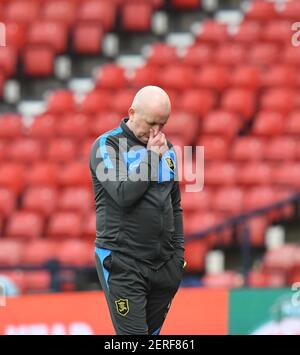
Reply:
x=158, y=143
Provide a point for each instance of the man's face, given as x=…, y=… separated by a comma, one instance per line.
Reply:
x=142, y=123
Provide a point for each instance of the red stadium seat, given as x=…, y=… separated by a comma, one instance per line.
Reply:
x=292, y=123
x=229, y=200
x=146, y=75
x=184, y=125
x=279, y=76
x=10, y=126
x=280, y=100
x=162, y=54
x=111, y=76
x=259, y=197
x=291, y=10
x=220, y=174
x=21, y=11
x=198, y=54
x=37, y=281
x=25, y=225
x=102, y=123
x=268, y=123
x=245, y=76
x=257, y=279
x=96, y=101
x=76, y=253
x=290, y=55
x=16, y=34
x=254, y=173
x=43, y=127
x=257, y=229
x=38, y=61
x=247, y=148
x=176, y=77
x=282, y=149
x=39, y=252
x=281, y=259
x=261, y=11
x=223, y=123
x=196, y=201
x=10, y=252
x=103, y=13
x=228, y=279
x=264, y=54
x=75, y=174
x=212, y=77
x=89, y=227
x=248, y=32
x=48, y=33
x=212, y=32
x=3, y=149
x=42, y=174
x=287, y=175
x=73, y=126
x=278, y=31
x=64, y=225
x=132, y=22
x=63, y=11
x=40, y=200
x=84, y=154
x=12, y=176
x=122, y=101
x=239, y=101
x=201, y=221
x=75, y=199
x=61, y=150
x=215, y=148
x=25, y=150
x=197, y=102
x=7, y=202
x=61, y=102
x=194, y=255
x=230, y=54
x=95, y=35
x=8, y=61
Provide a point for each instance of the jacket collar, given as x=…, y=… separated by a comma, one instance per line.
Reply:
x=128, y=132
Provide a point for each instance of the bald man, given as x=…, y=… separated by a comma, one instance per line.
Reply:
x=139, y=231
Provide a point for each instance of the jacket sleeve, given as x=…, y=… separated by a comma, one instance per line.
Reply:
x=110, y=169
x=178, y=237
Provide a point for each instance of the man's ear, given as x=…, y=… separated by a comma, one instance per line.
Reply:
x=131, y=113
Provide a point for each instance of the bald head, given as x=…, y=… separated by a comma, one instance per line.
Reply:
x=150, y=108
x=152, y=100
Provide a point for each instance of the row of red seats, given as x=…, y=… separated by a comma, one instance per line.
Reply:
x=264, y=11
x=45, y=200
x=197, y=55
x=41, y=30
x=210, y=74
x=16, y=176
x=250, y=31
x=61, y=225
x=38, y=252
x=47, y=214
